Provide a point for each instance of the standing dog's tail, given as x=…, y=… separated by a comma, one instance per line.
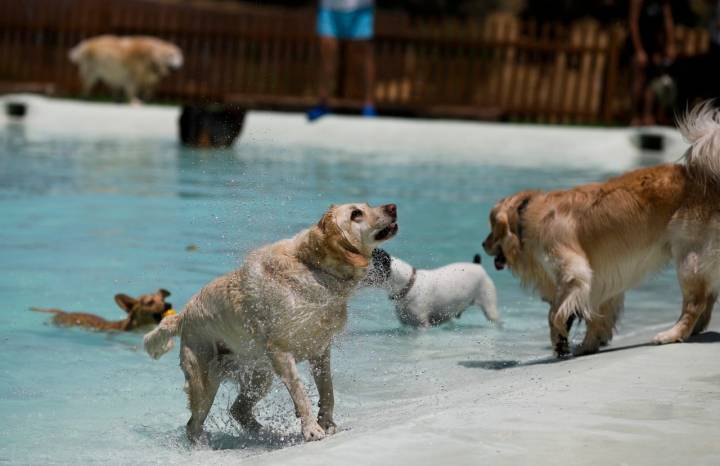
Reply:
x=477, y=259
x=160, y=340
x=701, y=128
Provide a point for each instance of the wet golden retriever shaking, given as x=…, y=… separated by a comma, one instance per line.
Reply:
x=283, y=306
x=581, y=249
x=133, y=64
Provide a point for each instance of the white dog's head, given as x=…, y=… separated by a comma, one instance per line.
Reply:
x=380, y=269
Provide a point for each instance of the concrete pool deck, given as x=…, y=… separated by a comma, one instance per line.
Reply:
x=632, y=404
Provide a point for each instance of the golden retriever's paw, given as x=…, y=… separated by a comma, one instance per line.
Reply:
x=562, y=348
x=328, y=426
x=584, y=350
x=668, y=336
x=312, y=431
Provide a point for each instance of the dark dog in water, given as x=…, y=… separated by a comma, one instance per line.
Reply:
x=144, y=311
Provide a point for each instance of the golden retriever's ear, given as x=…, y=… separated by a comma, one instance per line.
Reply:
x=165, y=293
x=508, y=239
x=125, y=302
x=327, y=219
x=502, y=223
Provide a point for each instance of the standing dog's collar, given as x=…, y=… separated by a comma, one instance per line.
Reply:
x=406, y=289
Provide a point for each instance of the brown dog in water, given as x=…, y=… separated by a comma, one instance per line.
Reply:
x=145, y=311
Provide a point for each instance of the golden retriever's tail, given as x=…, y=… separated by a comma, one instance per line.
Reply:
x=160, y=340
x=701, y=128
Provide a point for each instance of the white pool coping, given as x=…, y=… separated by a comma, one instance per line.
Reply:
x=610, y=149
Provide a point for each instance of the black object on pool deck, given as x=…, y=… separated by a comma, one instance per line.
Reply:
x=651, y=141
x=15, y=109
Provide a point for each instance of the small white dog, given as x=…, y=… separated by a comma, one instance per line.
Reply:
x=425, y=298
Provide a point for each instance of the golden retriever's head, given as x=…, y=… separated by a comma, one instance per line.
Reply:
x=351, y=231
x=504, y=241
x=166, y=56
x=145, y=310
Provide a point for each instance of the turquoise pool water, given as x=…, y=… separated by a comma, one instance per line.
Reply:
x=82, y=220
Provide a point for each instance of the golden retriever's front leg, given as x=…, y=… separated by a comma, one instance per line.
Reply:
x=284, y=366
x=574, y=278
x=323, y=380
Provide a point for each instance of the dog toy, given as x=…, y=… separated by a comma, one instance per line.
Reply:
x=169, y=312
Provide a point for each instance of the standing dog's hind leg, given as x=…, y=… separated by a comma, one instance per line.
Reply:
x=253, y=388
x=704, y=319
x=201, y=388
x=698, y=299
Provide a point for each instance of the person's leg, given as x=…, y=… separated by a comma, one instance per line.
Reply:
x=369, y=55
x=638, y=93
x=329, y=58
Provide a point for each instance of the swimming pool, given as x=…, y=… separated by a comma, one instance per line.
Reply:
x=89, y=215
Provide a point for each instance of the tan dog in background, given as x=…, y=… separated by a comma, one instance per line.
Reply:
x=142, y=312
x=133, y=64
x=581, y=249
x=283, y=306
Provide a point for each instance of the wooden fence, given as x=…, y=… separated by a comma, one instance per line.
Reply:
x=268, y=57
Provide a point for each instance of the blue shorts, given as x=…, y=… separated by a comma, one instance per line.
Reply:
x=354, y=25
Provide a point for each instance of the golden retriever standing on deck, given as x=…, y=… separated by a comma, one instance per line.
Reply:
x=283, y=306
x=133, y=64
x=581, y=249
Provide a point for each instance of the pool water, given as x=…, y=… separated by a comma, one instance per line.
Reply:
x=81, y=220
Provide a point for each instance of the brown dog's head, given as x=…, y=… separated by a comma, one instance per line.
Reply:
x=348, y=233
x=144, y=311
x=504, y=241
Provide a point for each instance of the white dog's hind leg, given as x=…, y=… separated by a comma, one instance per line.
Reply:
x=486, y=300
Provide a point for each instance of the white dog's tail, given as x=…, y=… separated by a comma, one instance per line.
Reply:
x=160, y=340
x=701, y=128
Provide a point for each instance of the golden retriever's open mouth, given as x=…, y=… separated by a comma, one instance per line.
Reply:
x=500, y=260
x=387, y=232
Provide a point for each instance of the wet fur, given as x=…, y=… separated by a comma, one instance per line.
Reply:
x=582, y=248
x=283, y=306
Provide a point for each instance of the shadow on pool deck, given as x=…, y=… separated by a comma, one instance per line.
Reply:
x=497, y=365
